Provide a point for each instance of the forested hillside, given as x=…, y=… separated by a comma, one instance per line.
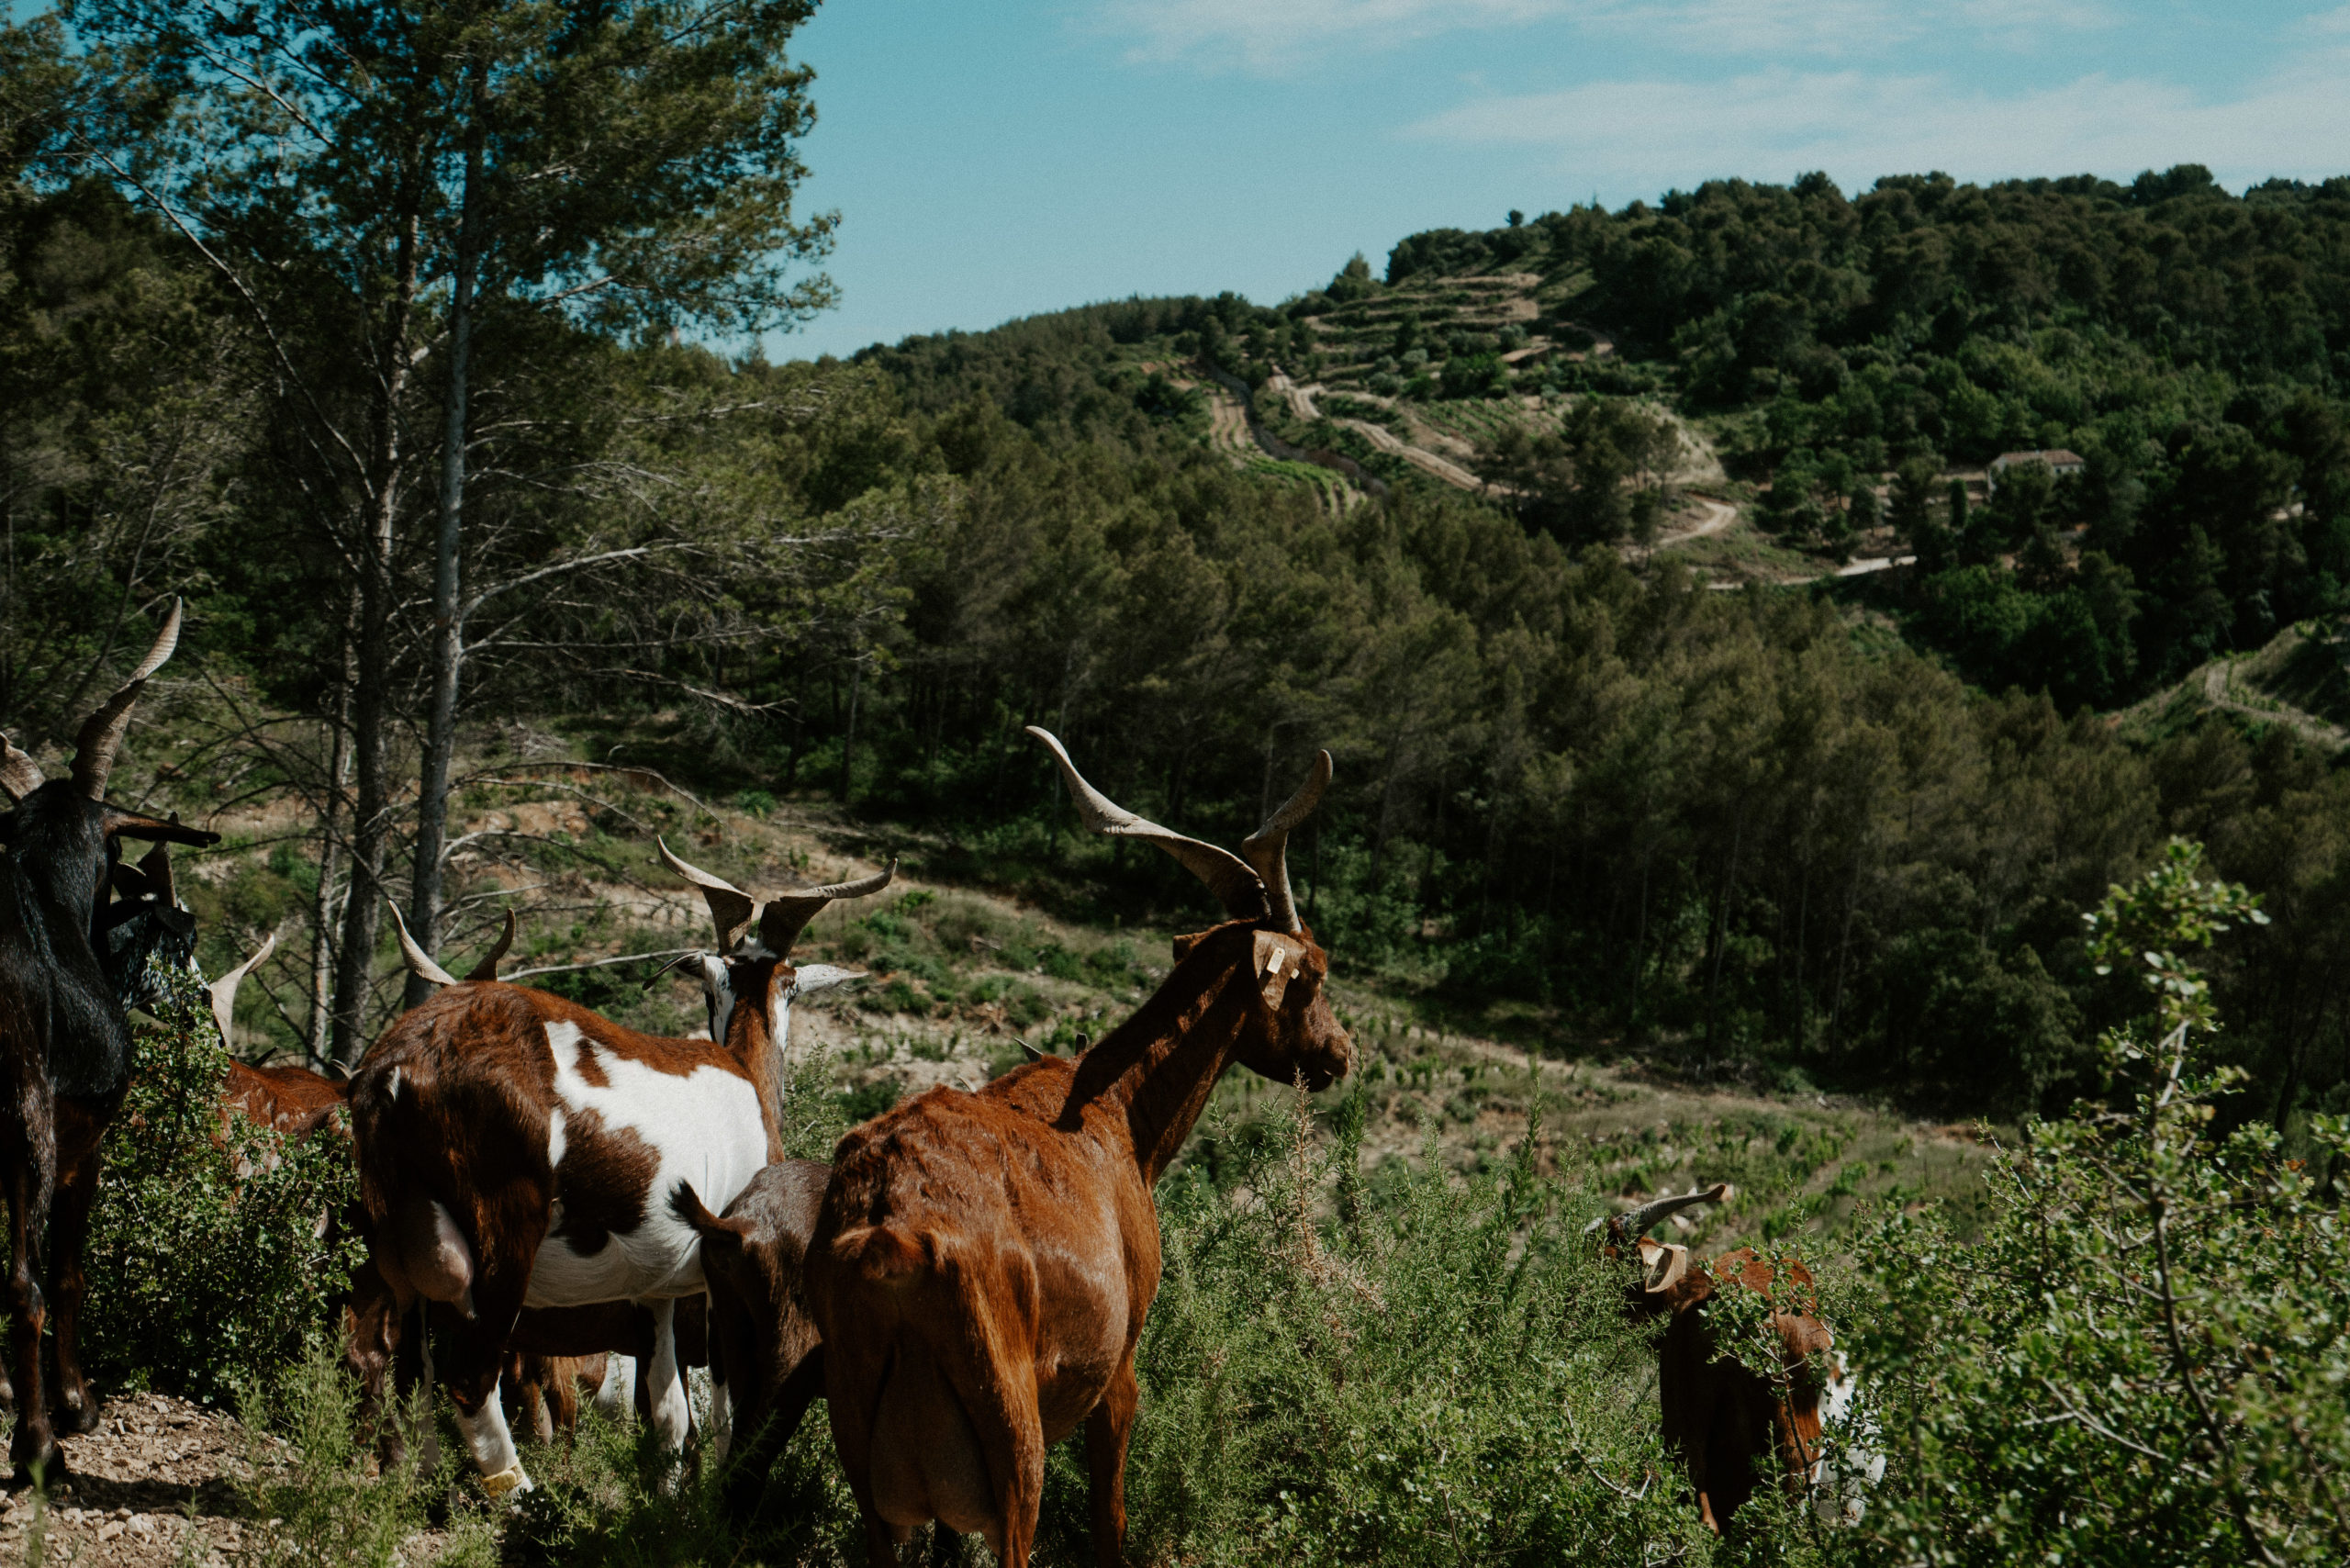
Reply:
x=1832, y=836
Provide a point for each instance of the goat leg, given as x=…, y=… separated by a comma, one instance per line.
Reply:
x=73, y=1406
x=33, y=1450
x=1107, y=1430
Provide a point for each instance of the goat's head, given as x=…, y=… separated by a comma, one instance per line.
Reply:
x=147, y=935
x=1664, y=1267
x=1292, y=1033
x=61, y=831
x=749, y=973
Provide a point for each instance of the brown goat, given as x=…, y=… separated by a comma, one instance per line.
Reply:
x=1720, y=1417
x=763, y=1347
x=983, y=1262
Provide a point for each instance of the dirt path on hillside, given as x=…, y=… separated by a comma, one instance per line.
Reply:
x=2219, y=681
x=1301, y=404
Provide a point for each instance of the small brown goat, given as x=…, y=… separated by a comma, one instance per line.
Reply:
x=982, y=1262
x=1720, y=1417
x=763, y=1347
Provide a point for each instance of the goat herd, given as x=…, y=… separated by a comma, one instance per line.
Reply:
x=541, y=1190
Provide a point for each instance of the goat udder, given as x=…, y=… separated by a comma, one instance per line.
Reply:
x=437, y=1264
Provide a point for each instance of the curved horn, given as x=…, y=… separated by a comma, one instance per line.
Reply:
x=730, y=907
x=19, y=774
x=102, y=731
x=224, y=990
x=787, y=914
x=1266, y=849
x=1633, y=1225
x=487, y=969
x=422, y=966
x=1237, y=887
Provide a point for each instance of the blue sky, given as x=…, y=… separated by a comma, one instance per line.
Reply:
x=993, y=159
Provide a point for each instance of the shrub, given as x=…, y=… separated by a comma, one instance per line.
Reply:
x=200, y=1277
x=2143, y=1359
x=309, y=1488
x=1413, y=1368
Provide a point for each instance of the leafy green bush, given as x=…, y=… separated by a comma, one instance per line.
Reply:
x=201, y=1276
x=2145, y=1357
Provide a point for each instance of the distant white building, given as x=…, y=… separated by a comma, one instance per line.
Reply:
x=2058, y=461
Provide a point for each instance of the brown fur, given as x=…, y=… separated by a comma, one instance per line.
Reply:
x=1720, y=1417
x=982, y=1262
x=542, y=1393
x=764, y=1342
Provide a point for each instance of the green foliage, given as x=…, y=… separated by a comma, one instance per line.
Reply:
x=310, y=1485
x=2143, y=1357
x=214, y=1252
x=1403, y=1367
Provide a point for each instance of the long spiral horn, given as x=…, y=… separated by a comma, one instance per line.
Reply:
x=1266, y=849
x=1237, y=888
x=102, y=731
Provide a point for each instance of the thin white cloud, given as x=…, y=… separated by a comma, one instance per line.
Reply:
x=1772, y=123
x=1266, y=34
x=1270, y=35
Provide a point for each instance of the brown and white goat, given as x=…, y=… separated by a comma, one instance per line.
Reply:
x=64, y=1046
x=515, y=1149
x=983, y=1262
x=1722, y=1419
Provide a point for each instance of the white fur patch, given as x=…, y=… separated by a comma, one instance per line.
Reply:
x=616, y=1395
x=662, y=1383
x=703, y=1127
x=491, y=1444
x=1851, y=1461
x=556, y=1144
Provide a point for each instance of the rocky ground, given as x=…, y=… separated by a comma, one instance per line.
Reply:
x=151, y=1485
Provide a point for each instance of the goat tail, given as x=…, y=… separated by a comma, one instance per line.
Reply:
x=886, y=1254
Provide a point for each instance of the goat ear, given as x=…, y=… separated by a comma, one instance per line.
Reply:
x=1183, y=944
x=1661, y=1266
x=810, y=979
x=1276, y=960
x=131, y=825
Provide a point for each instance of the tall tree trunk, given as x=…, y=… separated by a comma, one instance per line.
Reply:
x=848, y=736
x=448, y=609
x=371, y=701
x=324, y=906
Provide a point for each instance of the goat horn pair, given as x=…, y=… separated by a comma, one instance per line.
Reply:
x=102, y=733
x=783, y=918
x=1255, y=889
x=421, y=965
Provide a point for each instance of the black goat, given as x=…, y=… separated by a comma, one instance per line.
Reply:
x=64, y=1046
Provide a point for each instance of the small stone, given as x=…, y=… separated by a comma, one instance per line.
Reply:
x=111, y=1528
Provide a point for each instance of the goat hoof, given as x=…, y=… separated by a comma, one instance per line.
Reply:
x=49, y=1468
x=76, y=1418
